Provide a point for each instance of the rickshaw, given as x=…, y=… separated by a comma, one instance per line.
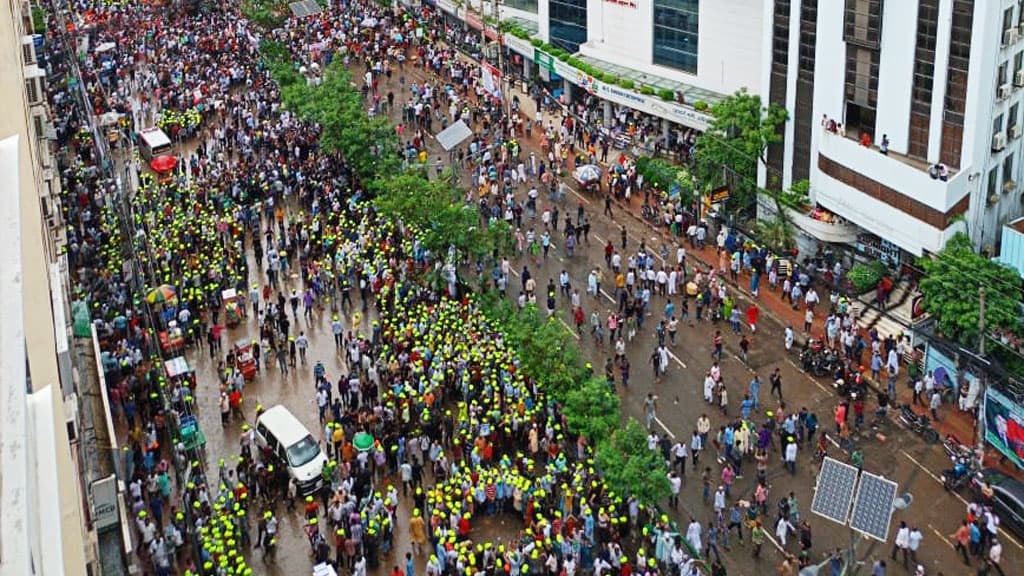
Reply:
x=232, y=311
x=244, y=360
x=172, y=339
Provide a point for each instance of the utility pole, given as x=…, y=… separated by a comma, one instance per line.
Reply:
x=503, y=82
x=983, y=376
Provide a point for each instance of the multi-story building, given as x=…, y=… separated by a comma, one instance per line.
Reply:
x=701, y=51
x=937, y=82
x=44, y=526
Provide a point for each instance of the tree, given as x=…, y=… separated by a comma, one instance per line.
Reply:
x=736, y=142
x=631, y=467
x=435, y=210
x=368, y=145
x=778, y=232
x=546, y=350
x=592, y=410
x=950, y=289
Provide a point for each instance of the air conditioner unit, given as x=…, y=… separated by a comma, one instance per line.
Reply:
x=28, y=50
x=1009, y=186
x=71, y=416
x=999, y=141
x=1015, y=131
x=1004, y=91
x=1009, y=36
x=1018, y=78
x=35, y=89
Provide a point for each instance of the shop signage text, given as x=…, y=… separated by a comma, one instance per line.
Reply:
x=626, y=3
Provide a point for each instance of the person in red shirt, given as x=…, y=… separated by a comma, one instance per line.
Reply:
x=396, y=571
x=961, y=539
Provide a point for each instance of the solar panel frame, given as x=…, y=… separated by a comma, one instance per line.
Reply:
x=872, y=507
x=833, y=496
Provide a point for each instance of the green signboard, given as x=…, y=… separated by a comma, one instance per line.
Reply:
x=544, y=60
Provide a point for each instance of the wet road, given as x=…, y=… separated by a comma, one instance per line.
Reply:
x=900, y=456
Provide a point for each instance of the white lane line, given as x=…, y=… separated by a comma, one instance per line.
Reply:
x=816, y=383
x=676, y=358
x=578, y=195
x=569, y=329
x=599, y=239
x=608, y=296
x=513, y=270
x=942, y=537
x=1002, y=532
x=663, y=427
x=929, y=473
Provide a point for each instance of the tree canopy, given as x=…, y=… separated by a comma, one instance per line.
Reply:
x=736, y=142
x=628, y=463
x=950, y=289
x=592, y=410
x=369, y=145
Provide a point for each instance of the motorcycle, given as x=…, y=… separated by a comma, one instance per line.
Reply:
x=919, y=423
x=959, y=475
x=956, y=449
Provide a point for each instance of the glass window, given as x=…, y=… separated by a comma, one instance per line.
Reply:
x=675, y=34
x=568, y=24
x=993, y=180
x=1008, y=19
x=997, y=124
x=524, y=5
x=1011, y=118
x=1008, y=169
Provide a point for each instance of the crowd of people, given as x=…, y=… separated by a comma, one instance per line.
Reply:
x=461, y=431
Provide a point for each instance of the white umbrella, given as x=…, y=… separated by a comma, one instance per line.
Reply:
x=105, y=47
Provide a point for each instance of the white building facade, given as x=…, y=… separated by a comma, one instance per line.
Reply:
x=703, y=50
x=939, y=81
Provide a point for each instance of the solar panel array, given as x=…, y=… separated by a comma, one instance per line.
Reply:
x=872, y=509
x=834, y=493
x=305, y=8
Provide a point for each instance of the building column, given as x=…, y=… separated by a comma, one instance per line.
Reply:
x=665, y=127
x=567, y=89
x=527, y=70
x=606, y=112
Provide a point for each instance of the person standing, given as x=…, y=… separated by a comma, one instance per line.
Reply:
x=914, y=543
x=776, y=382
x=901, y=544
x=995, y=556
x=961, y=538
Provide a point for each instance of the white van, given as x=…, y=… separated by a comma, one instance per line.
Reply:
x=292, y=445
x=153, y=142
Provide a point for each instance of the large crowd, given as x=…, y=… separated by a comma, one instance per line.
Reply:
x=461, y=431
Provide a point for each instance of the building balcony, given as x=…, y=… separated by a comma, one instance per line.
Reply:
x=896, y=180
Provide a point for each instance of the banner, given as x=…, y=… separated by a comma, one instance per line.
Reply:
x=492, y=79
x=1004, y=425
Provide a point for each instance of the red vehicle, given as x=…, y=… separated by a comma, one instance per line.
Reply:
x=244, y=360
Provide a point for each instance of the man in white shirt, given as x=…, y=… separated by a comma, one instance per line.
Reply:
x=914, y=543
x=791, y=450
x=995, y=555
x=901, y=544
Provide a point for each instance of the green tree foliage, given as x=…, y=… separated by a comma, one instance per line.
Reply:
x=629, y=465
x=592, y=410
x=368, y=144
x=435, y=209
x=778, y=232
x=950, y=289
x=546, y=350
x=738, y=140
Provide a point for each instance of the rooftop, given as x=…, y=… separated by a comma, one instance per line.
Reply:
x=690, y=94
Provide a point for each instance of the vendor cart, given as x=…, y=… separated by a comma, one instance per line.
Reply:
x=172, y=339
x=191, y=435
x=178, y=370
x=232, y=310
x=244, y=360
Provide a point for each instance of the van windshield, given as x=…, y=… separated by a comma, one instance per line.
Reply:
x=303, y=452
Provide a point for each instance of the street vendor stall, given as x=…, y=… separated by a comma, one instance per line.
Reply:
x=178, y=370
x=588, y=177
x=172, y=339
x=232, y=311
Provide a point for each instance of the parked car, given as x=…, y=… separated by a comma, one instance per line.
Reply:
x=1006, y=494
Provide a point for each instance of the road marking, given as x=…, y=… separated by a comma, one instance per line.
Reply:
x=929, y=473
x=665, y=428
x=942, y=537
x=568, y=328
x=800, y=370
x=608, y=296
x=599, y=239
x=676, y=358
x=513, y=270
x=578, y=195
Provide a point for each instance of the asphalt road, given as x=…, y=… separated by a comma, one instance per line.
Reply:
x=894, y=453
